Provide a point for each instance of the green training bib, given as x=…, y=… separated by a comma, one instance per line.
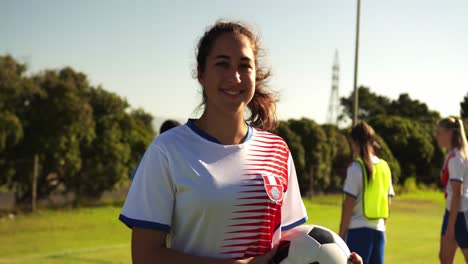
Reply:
x=375, y=190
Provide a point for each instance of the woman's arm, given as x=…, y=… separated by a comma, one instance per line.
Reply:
x=454, y=206
x=389, y=204
x=149, y=246
x=346, y=213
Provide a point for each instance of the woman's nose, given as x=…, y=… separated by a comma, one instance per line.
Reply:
x=234, y=76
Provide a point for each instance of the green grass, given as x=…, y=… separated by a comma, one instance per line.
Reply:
x=94, y=235
x=88, y=235
x=413, y=230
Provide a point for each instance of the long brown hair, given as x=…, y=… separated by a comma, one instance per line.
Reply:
x=458, y=137
x=263, y=104
x=364, y=136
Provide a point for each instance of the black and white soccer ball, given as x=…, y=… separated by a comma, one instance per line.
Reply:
x=312, y=244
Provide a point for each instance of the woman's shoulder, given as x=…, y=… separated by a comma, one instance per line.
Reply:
x=169, y=136
x=456, y=157
x=268, y=136
x=354, y=168
x=376, y=159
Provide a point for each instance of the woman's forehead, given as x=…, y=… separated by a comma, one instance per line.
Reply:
x=232, y=44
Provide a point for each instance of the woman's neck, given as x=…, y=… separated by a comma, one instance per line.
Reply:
x=227, y=129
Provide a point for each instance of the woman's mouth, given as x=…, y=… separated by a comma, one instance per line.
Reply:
x=231, y=92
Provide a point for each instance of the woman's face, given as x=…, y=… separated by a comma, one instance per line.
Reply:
x=228, y=79
x=444, y=137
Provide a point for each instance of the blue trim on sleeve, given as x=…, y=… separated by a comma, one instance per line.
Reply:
x=350, y=194
x=297, y=223
x=130, y=222
x=276, y=228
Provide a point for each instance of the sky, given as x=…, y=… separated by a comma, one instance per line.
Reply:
x=145, y=50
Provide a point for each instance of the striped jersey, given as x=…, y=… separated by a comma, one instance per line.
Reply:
x=214, y=200
x=455, y=169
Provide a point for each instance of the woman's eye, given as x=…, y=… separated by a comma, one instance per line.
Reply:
x=245, y=66
x=222, y=64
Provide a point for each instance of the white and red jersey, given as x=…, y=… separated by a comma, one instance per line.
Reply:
x=455, y=169
x=444, y=174
x=214, y=200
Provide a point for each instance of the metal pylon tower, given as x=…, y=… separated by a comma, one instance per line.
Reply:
x=334, y=103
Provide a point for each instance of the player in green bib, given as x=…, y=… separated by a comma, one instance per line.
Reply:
x=368, y=190
x=375, y=191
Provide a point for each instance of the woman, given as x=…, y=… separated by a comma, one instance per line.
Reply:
x=368, y=190
x=450, y=135
x=218, y=189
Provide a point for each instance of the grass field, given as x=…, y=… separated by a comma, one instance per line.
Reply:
x=94, y=235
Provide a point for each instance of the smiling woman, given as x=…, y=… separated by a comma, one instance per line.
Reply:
x=219, y=189
x=228, y=81
x=232, y=54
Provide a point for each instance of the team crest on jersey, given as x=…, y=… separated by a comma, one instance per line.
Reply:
x=273, y=187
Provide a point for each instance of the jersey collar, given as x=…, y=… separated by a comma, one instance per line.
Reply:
x=191, y=124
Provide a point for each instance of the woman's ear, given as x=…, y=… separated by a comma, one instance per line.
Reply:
x=200, y=75
x=451, y=134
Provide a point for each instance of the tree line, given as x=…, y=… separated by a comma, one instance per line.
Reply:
x=88, y=139
x=405, y=131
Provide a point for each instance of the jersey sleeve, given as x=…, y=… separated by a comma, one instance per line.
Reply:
x=293, y=212
x=353, y=182
x=150, y=200
x=456, y=169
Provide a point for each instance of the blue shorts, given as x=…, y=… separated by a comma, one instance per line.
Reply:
x=461, y=228
x=368, y=243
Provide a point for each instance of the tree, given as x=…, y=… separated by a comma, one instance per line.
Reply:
x=139, y=133
x=464, y=107
x=120, y=140
x=465, y=124
x=314, y=176
x=122, y=136
x=16, y=91
x=409, y=141
x=57, y=123
x=11, y=131
x=370, y=104
x=86, y=138
x=404, y=106
x=340, y=155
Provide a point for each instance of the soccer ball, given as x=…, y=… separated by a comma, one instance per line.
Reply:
x=311, y=244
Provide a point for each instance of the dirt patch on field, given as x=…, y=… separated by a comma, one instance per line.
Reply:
x=416, y=206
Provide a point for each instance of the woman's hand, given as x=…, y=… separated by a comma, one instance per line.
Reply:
x=355, y=258
x=263, y=259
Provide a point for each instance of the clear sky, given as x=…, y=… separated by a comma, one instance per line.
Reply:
x=144, y=50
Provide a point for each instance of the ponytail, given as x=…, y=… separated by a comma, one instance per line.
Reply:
x=459, y=141
x=263, y=109
x=364, y=136
x=366, y=156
